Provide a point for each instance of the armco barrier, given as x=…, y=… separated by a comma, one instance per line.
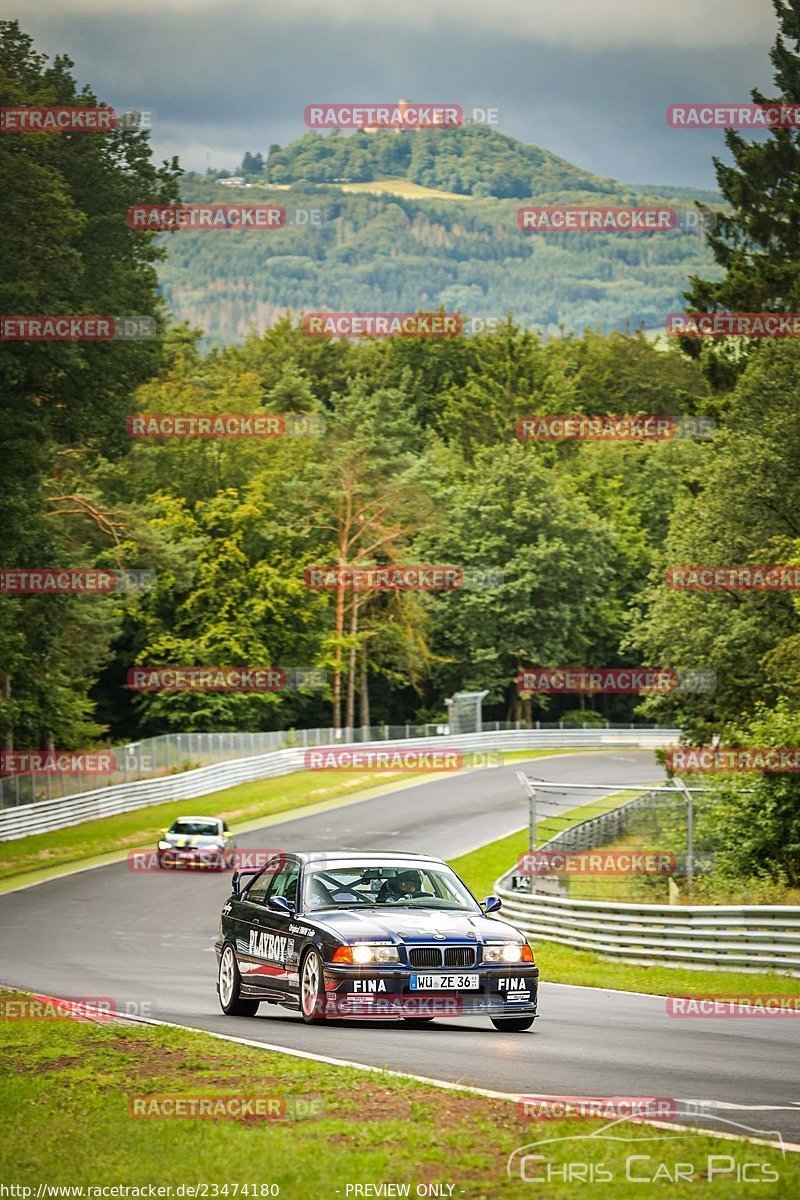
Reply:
x=45, y=815
x=748, y=937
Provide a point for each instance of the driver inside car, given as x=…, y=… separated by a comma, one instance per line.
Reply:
x=405, y=883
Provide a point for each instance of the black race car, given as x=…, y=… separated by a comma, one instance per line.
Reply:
x=370, y=935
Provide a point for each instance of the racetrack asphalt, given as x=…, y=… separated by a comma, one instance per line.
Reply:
x=145, y=940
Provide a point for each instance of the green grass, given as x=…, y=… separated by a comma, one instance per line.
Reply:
x=481, y=869
x=67, y=1087
x=245, y=803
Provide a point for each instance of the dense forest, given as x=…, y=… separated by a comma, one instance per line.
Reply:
x=417, y=461
x=443, y=233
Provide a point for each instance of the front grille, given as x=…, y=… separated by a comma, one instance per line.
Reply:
x=459, y=956
x=442, y=956
x=425, y=956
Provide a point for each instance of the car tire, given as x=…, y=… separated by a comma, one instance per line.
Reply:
x=512, y=1024
x=312, y=989
x=229, y=981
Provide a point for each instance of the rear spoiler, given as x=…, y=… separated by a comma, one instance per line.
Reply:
x=238, y=876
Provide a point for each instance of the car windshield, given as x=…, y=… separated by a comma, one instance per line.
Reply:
x=195, y=828
x=391, y=886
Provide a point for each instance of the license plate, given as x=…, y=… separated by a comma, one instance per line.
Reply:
x=441, y=983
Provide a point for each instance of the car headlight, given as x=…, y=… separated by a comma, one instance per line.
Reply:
x=507, y=952
x=375, y=954
x=165, y=845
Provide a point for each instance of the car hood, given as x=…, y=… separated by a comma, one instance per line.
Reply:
x=183, y=841
x=414, y=925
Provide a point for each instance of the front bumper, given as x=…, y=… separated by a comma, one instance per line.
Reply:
x=193, y=859
x=386, y=991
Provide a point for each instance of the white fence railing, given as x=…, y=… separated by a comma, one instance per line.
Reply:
x=748, y=937
x=45, y=815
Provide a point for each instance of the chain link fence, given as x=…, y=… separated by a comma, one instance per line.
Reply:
x=172, y=753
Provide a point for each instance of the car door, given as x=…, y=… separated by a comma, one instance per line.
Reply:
x=271, y=956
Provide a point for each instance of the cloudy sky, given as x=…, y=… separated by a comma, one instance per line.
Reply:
x=587, y=79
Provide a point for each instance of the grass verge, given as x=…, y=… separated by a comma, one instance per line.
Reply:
x=140, y=829
x=68, y=1086
x=562, y=964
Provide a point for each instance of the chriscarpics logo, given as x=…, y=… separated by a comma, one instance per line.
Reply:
x=627, y=1151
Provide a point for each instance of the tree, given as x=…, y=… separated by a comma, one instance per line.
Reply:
x=252, y=164
x=510, y=514
x=366, y=497
x=757, y=244
x=67, y=250
x=744, y=511
x=752, y=821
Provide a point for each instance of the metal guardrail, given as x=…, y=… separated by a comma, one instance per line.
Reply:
x=169, y=753
x=46, y=815
x=747, y=937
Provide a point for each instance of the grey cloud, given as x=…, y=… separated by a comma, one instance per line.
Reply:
x=584, y=82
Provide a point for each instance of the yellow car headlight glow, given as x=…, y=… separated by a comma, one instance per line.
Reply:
x=375, y=954
x=503, y=952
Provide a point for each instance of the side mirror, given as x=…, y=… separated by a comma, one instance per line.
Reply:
x=280, y=904
x=235, y=883
x=492, y=904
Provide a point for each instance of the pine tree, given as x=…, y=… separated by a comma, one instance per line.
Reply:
x=758, y=243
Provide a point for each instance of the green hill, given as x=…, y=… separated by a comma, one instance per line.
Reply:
x=426, y=220
x=471, y=161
